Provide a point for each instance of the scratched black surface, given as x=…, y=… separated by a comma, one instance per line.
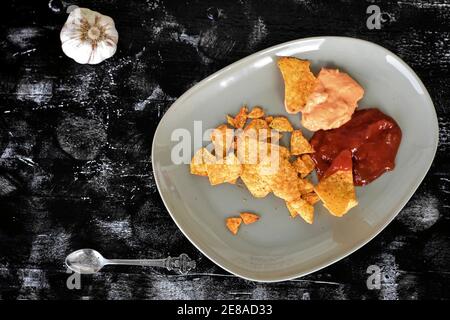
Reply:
x=63, y=187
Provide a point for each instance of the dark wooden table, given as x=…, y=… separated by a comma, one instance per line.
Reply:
x=100, y=191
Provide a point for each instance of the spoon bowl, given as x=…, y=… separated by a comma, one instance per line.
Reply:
x=85, y=261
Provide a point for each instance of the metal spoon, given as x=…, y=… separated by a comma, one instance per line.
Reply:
x=88, y=261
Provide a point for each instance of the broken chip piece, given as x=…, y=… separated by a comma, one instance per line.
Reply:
x=254, y=182
x=301, y=207
x=222, y=138
x=200, y=160
x=305, y=186
x=299, y=144
x=268, y=119
x=336, y=189
x=249, y=147
x=281, y=177
x=256, y=113
x=308, y=161
x=248, y=217
x=241, y=118
x=257, y=129
x=298, y=82
x=275, y=136
x=312, y=198
x=275, y=150
x=291, y=210
x=224, y=170
x=281, y=124
x=233, y=224
x=303, y=165
x=230, y=121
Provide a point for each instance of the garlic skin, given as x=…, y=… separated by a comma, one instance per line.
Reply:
x=89, y=37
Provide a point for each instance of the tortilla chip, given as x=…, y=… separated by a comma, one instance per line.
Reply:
x=337, y=192
x=254, y=182
x=312, y=198
x=336, y=189
x=230, y=121
x=299, y=144
x=281, y=124
x=306, y=158
x=281, y=177
x=224, y=170
x=222, y=137
x=248, y=217
x=273, y=151
x=275, y=136
x=199, y=162
x=233, y=224
x=258, y=129
x=241, y=118
x=342, y=162
x=254, y=145
x=298, y=82
x=301, y=207
x=256, y=113
x=291, y=210
x=268, y=119
x=305, y=186
x=304, y=165
x=248, y=148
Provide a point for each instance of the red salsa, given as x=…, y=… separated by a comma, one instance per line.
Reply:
x=373, y=139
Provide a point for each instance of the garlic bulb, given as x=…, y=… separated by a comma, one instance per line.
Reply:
x=88, y=36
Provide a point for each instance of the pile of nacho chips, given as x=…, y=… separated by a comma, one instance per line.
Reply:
x=247, y=147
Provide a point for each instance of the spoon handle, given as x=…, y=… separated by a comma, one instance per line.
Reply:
x=182, y=264
x=139, y=262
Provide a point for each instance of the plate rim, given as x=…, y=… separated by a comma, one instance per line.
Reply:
x=337, y=258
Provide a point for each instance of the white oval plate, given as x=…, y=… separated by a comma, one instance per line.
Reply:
x=277, y=247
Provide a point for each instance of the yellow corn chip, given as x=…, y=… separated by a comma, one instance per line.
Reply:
x=247, y=149
x=302, y=167
x=225, y=170
x=281, y=124
x=241, y=118
x=230, y=120
x=254, y=182
x=337, y=192
x=233, y=224
x=251, y=150
x=200, y=160
x=222, y=138
x=305, y=186
x=275, y=136
x=257, y=129
x=308, y=161
x=312, y=198
x=301, y=207
x=273, y=151
x=298, y=82
x=299, y=144
x=257, y=112
x=282, y=151
x=268, y=119
x=291, y=210
x=281, y=177
x=248, y=217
